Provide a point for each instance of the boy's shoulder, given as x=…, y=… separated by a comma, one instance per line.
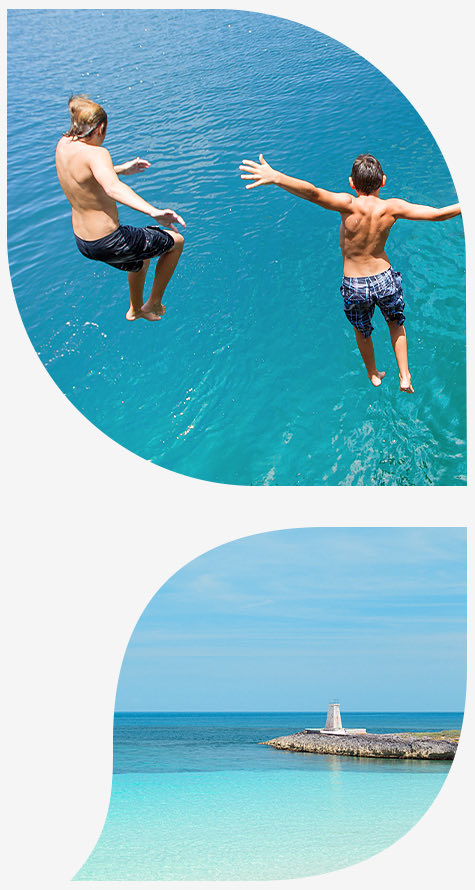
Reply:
x=393, y=205
x=97, y=155
x=387, y=205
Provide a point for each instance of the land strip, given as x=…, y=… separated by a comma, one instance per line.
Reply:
x=418, y=746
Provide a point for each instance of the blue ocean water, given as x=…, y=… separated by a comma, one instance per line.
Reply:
x=253, y=376
x=195, y=797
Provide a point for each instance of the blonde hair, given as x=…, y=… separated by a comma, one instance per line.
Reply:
x=86, y=116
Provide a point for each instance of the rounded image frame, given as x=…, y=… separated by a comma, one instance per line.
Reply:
x=227, y=765
x=254, y=376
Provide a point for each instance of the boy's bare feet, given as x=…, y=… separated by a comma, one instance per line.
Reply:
x=377, y=377
x=152, y=314
x=133, y=314
x=405, y=384
x=152, y=311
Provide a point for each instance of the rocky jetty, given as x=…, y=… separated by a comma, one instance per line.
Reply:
x=401, y=745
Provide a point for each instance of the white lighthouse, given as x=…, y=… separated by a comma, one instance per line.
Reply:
x=333, y=723
x=333, y=726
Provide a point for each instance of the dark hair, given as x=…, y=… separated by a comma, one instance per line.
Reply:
x=367, y=174
x=86, y=116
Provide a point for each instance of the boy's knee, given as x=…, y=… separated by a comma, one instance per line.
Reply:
x=179, y=241
x=395, y=323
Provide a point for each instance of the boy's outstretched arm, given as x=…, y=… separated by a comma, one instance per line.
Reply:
x=135, y=166
x=263, y=174
x=406, y=210
x=104, y=173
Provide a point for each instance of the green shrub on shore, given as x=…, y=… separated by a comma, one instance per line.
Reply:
x=452, y=734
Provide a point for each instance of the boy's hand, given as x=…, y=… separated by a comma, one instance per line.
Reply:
x=168, y=218
x=135, y=166
x=263, y=173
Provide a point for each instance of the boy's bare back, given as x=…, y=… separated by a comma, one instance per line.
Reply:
x=366, y=221
x=95, y=214
x=364, y=230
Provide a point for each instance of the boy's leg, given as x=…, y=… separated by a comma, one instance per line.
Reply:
x=365, y=346
x=399, y=342
x=136, y=287
x=166, y=265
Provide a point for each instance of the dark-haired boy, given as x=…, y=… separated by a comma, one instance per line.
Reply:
x=368, y=277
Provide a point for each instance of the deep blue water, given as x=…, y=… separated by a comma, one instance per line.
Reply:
x=180, y=742
x=195, y=797
x=253, y=376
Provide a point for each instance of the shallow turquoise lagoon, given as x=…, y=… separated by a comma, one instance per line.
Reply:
x=253, y=376
x=253, y=826
x=195, y=797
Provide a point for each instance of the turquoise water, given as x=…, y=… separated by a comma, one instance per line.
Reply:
x=195, y=797
x=253, y=376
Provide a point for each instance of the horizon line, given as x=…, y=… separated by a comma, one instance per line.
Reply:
x=349, y=710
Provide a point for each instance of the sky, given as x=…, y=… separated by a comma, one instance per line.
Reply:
x=289, y=620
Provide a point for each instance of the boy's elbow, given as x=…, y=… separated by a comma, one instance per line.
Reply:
x=112, y=190
x=311, y=194
x=109, y=182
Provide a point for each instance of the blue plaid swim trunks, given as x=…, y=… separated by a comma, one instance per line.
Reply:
x=127, y=247
x=361, y=295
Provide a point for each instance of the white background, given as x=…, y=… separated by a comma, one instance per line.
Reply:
x=90, y=531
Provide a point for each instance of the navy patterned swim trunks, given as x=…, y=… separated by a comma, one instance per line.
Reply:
x=127, y=247
x=361, y=295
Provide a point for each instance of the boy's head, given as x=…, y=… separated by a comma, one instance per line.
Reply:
x=86, y=117
x=367, y=175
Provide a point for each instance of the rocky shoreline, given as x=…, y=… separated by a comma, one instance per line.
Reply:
x=399, y=745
